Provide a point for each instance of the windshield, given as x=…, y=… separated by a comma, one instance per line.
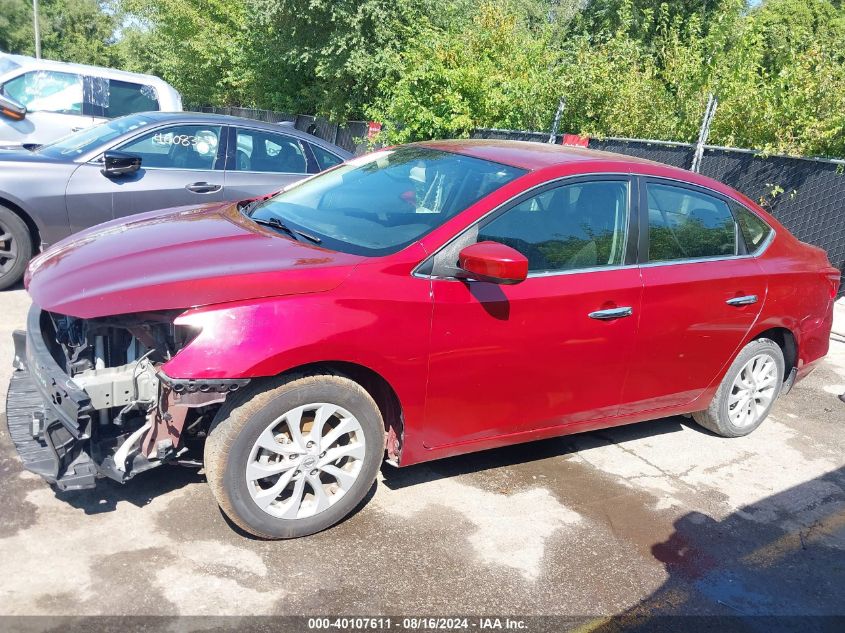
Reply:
x=81, y=142
x=380, y=203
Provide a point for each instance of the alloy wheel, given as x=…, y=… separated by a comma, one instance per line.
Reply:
x=305, y=461
x=753, y=390
x=8, y=249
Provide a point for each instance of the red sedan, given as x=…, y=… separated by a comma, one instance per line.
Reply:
x=419, y=302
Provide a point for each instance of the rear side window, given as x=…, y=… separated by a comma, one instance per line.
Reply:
x=258, y=150
x=686, y=224
x=111, y=98
x=47, y=91
x=128, y=98
x=325, y=158
x=754, y=230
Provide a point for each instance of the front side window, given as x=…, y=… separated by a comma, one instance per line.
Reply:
x=754, y=230
x=581, y=225
x=380, y=203
x=687, y=224
x=47, y=91
x=257, y=150
x=177, y=147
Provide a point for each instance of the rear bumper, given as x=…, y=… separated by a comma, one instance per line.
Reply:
x=49, y=417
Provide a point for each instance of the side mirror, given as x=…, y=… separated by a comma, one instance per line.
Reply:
x=494, y=262
x=117, y=164
x=11, y=109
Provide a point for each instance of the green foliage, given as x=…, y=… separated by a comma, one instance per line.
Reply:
x=202, y=47
x=71, y=30
x=493, y=72
x=329, y=56
x=434, y=68
x=634, y=68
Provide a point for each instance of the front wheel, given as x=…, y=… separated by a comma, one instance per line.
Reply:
x=15, y=247
x=747, y=392
x=290, y=457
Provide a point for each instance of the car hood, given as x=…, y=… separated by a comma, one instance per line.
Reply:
x=10, y=153
x=178, y=258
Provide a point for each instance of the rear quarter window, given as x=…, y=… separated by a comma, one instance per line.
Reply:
x=325, y=158
x=754, y=230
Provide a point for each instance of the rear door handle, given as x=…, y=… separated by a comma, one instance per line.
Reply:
x=747, y=300
x=203, y=187
x=611, y=313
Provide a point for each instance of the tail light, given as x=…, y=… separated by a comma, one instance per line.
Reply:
x=834, y=279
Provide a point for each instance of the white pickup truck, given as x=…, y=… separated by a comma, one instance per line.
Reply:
x=42, y=100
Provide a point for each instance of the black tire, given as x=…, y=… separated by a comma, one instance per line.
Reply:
x=716, y=418
x=245, y=416
x=19, y=241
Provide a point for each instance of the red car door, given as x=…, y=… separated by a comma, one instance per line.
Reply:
x=552, y=350
x=701, y=294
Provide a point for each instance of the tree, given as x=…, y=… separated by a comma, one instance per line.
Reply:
x=496, y=72
x=71, y=30
x=202, y=47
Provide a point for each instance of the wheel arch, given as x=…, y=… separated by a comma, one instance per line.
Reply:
x=787, y=342
x=380, y=390
x=34, y=229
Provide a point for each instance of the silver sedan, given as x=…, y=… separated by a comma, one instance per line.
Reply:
x=144, y=162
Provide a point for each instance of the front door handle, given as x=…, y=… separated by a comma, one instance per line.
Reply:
x=203, y=187
x=747, y=300
x=611, y=313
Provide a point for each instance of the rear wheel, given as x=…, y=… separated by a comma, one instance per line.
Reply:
x=15, y=247
x=294, y=456
x=747, y=392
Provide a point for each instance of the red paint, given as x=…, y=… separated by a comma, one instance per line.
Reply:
x=492, y=261
x=474, y=364
x=176, y=259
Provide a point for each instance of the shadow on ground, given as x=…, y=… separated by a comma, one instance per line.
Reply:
x=396, y=478
x=139, y=491
x=744, y=575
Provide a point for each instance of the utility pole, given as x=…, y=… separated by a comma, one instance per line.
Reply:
x=704, y=132
x=37, y=31
x=556, y=123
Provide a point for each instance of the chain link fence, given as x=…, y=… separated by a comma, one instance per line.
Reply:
x=807, y=195
x=350, y=135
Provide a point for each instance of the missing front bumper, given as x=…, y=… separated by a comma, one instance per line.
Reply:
x=44, y=445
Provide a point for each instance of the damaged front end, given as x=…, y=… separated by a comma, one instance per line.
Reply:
x=88, y=397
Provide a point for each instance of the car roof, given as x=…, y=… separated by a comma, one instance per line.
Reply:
x=31, y=63
x=529, y=155
x=534, y=156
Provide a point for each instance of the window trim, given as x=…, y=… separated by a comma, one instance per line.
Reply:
x=741, y=247
x=233, y=143
x=631, y=230
x=221, y=146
